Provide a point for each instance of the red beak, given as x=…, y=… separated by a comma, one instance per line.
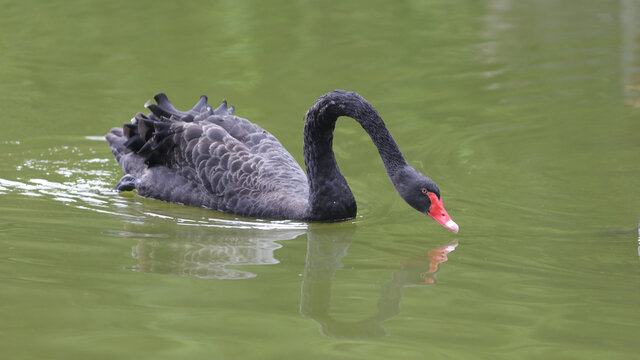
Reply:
x=439, y=214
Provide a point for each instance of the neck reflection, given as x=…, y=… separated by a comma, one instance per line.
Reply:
x=325, y=251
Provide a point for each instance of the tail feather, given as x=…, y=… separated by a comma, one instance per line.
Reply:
x=165, y=104
x=156, y=110
x=134, y=143
x=200, y=104
x=139, y=117
x=128, y=160
x=146, y=149
x=130, y=130
x=147, y=138
x=222, y=108
x=165, y=108
x=145, y=129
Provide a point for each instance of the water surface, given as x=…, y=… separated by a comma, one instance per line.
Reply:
x=524, y=112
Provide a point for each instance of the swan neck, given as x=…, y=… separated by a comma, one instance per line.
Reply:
x=328, y=189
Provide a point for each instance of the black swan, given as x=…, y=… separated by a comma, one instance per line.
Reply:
x=211, y=158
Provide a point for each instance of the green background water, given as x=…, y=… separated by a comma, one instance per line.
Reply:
x=524, y=112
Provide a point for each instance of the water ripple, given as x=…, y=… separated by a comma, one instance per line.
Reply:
x=169, y=239
x=87, y=185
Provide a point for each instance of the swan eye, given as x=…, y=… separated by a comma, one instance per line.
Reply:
x=425, y=191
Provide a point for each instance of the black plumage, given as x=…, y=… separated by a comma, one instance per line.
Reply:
x=211, y=158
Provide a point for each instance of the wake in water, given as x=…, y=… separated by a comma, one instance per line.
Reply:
x=83, y=179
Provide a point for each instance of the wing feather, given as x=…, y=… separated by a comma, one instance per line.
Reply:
x=210, y=158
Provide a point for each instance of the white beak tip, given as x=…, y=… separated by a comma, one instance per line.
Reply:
x=451, y=225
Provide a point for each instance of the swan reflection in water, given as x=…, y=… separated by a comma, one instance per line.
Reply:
x=203, y=254
x=193, y=252
x=325, y=252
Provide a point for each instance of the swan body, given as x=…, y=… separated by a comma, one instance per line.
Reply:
x=214, y=159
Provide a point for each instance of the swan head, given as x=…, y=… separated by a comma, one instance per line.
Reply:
x=422, y=194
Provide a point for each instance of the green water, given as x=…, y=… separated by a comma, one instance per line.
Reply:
x=526, y=114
